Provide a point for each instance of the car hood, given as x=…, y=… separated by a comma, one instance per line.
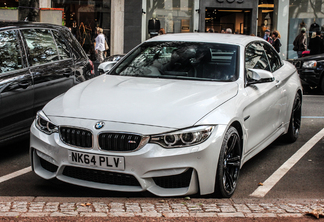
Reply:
x=147, y=101
x=311, y=57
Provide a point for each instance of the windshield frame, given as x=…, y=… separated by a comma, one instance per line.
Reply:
x=127, y=61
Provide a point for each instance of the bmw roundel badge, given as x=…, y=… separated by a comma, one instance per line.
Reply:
x=99, y=125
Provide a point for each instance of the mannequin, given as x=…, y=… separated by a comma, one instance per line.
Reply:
x=153, y=25
x=313, y=28
x=265, y=26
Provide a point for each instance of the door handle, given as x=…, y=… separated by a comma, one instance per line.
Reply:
x=278, y=83
x=67, y=72
x=24, y=85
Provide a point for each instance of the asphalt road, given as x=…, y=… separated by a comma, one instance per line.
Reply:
x=305, y=180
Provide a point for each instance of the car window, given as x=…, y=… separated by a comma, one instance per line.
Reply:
x=76, y=50
x=256, y=58
x=61, y=46
x=10, y=54
x=41, y=46
x=181, y=60
x=274, y=59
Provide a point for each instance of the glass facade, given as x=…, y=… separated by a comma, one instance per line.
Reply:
x=83, y=16
x=169, y=16
x=308, y=14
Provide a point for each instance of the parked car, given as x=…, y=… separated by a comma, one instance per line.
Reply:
x=179, y=114
x=311, y=70
x=108, y=63
x=37, y=63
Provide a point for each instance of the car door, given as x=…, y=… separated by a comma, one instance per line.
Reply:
x=50, y=64
x=16, y=89
x=263, y=103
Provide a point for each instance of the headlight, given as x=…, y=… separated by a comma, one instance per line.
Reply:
x=310, y=64
x=183, y=138
x=44, y=124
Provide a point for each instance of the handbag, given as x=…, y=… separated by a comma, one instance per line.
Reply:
x=106, y=46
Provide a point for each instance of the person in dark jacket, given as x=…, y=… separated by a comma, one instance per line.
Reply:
x=276, y=40
x=316, y=44
x=300, y=43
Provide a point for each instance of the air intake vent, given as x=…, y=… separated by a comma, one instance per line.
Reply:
x=76, y=137
x=119, y=141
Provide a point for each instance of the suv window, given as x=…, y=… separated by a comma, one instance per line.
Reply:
x=61, y=46
x=41, y=46
x=274, y=59
x=10, y=54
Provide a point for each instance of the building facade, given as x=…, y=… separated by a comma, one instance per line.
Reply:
x=127, y=23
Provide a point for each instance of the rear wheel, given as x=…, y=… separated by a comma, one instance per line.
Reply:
x=295, y=121
x=322, y=84
x=229, y=164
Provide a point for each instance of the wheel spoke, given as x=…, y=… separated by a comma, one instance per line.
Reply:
x=234, y=161
x=229, y=181
x=233, y=141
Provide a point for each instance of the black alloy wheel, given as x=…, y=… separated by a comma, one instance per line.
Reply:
x=295, y=120
x=229, y=164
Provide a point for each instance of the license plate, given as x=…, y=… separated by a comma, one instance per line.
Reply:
x=101, y=161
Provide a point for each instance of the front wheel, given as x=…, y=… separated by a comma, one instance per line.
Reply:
x=229, y=164
x=295, y=121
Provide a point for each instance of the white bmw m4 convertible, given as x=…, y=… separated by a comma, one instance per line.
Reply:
x=179, y=114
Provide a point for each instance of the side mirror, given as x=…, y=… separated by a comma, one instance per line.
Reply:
x=256, y=76
x=106, y=66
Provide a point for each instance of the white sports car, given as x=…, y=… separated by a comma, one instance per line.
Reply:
x=179, y=114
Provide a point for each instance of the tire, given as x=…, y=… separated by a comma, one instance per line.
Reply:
x=229, y=164
x=295, y=121
x=322, y=84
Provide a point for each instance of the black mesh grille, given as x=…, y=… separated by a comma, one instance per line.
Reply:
x=76, y=137
x=175, y=181
x=119, y=142
x=48, y=166
x=100, y=176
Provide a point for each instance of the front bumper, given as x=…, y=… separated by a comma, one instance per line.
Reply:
x=163, y=172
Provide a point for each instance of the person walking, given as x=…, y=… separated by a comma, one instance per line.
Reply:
x=276, y=40
x=316, y=44
x=100, y=45
x=300, y=42
x=267, y=36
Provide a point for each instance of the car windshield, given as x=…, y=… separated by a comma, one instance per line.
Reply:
x=181, y=60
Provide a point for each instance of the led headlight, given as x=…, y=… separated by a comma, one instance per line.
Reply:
x=44, y=124
x=183, y=138
x=310, y=64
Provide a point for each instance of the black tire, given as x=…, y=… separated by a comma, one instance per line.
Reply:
x=322, y=84
x=295, y=121
x=229, y=164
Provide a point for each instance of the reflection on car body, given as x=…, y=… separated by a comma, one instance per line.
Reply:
x=37, y=62
x=179, y=114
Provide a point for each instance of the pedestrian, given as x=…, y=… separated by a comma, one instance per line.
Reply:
x=276, y=40
x=100, y=45
x=229, y=31
x=223, y=31
x=161, y=31
x=316, y=44
x=210, y=30
x=267, y=36
x=300, y=42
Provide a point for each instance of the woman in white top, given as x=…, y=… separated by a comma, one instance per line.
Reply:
x=100, y=45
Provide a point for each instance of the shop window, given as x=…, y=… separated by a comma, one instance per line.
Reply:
x=169, y=16
x=265, y=16
x=10, y=57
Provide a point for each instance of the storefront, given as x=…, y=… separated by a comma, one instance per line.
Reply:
x=307, y=14
x=83, y=16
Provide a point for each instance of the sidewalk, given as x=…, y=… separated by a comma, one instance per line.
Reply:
x=26, y=207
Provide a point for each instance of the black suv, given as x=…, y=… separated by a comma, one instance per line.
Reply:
x=37, y=63
x=311, y=70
